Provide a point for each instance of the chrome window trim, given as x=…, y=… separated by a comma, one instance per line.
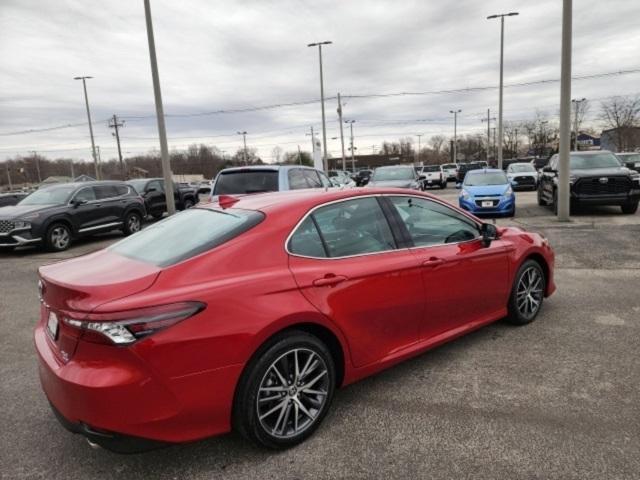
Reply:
x=310, y=212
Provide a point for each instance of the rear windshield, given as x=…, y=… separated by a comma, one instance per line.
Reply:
x=186, y=234
x=390, y=174
x=521, y=167
x=435, y=168
x=247, y=181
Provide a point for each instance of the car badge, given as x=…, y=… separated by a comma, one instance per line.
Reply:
x=603, y=180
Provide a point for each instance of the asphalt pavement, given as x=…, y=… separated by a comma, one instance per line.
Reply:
x=559, y=398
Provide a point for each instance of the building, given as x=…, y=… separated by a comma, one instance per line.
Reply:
x=371, y=161
x=623, y=139
x=588, y=142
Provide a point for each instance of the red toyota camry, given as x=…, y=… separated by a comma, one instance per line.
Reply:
x=248, y=313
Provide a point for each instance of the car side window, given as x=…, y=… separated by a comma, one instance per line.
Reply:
x=105, y=191
x=354, y=227
x=85, y=195
x=156, y=184
x=313, y=181
x=122, y=190
x=431, y=223
x=326, y=183
x=296, y=179
x=306, y=240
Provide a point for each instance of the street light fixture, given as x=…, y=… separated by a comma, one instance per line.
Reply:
x=244, y=139
x=93, y=145
x=324, y=126
x=500, y=129
x=455, y=134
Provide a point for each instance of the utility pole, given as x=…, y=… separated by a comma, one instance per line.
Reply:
x=299, y=156
x=344, y=160
x=419, y=135
x=72, y=172
x=93, y=144
x=6, y=166
x=37, y=162
x=516, y=143
x=324, y=125
x=489, y=119
x=494, y=139
x=576, y=104
x=115, y=125
x=500, y=126
x=455, y=134
x=162, y=131
x=244, y=140
x=313, y=143
x=565, y=113
x=353, y=161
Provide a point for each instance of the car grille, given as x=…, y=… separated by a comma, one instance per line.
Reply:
x=525, y=180
x=495, y=202
x=6, y=226
x=595, y=186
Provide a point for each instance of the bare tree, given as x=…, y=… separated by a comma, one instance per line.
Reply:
x=621, y=114
x=436, y=142
x=276, y=154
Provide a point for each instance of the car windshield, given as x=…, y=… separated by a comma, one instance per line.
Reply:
x=246, y=181
x=522, y=167
x=634, y=157
x=390, y=174
x=434, y=168
x=597, y=160
x=138, y=184
x=58, y=195
x=165, y=243
x=477, y=179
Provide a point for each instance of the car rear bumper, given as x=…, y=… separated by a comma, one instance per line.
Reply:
x=113, y=397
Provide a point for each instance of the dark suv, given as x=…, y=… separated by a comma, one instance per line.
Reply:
x=155, y=201
x=55, y=215
x=596, y=178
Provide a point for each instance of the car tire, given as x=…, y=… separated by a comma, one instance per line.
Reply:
x=528, y=288
x=58, y=237
x=541, y=202
x=268, y=413
x=630, y=208
x=157, y=215
x=443, y=185
x=554, y=202
x=132, y=223
x=188, y=203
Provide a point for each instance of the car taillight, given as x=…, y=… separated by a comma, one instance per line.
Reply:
x=123, y=328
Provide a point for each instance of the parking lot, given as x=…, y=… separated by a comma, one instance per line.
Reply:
x=554, y=399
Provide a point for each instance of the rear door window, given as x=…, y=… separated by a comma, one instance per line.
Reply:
x=246, y=181
x=103, y=192
x=85, y=195
x=313, y=181
x=297, y=179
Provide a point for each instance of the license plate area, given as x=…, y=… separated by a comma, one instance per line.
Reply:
x=487, y=203
x=53, y=325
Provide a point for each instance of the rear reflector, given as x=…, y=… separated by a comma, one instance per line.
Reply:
x=123, y=328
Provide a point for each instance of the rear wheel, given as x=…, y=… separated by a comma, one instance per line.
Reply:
x=188, y=203
x=157, y=215
x=285, y=391
x=58, y=237
x=132, y=223
x=527, y=293
x=630, y=208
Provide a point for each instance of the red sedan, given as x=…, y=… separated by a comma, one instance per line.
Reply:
x=248, y=313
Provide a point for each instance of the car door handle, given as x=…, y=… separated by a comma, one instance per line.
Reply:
x=432, y=262
x=328, y=280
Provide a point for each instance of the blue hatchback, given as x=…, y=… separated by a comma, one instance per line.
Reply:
x=487, y=192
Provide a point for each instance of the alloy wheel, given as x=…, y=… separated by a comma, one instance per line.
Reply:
x=529, y=292
x=292, y=393
x=60, y=237
x=133, y=223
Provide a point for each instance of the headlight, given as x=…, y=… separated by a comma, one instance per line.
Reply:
x=509, y=191
x=464, y=194
x=572, y=178
x=21, y=224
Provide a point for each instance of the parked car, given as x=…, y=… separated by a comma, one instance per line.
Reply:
x=487, y=192
x=539, y=163
x=451, y=171
x=341, y=178
x=596, y=178
x=523, y=176
x=11, y=198
x=54, y=216
x=152, y=191
x=463, y=168
x=201, y=333
x=362, y=177
x=399, y=176
x=267, y=178
x=433, y=176
x=630, y=160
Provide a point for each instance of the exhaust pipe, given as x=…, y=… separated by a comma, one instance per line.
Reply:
x=93, y=445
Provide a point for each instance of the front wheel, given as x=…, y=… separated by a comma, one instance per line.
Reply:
x=527, y=293
x=132, y=223
x=630, y=208
x=188, y=204
x=58, y=237
x=286, y=391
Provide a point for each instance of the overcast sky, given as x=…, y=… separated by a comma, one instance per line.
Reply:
x=228, y=55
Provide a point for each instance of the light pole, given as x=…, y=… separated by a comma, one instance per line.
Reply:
x=324, y=126
x=93, y=145
x=344, y=160
x=455, y=134
x=162, y=130
x=576, y=104
x=500, y=131
x=419, y=135
x=565, y=114
x=244, y=140
x=353, y=161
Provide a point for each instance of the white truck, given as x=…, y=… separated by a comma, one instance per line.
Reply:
x=433, y=176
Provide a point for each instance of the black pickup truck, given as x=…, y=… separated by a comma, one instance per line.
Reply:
x=596, y=178
x=152, y=191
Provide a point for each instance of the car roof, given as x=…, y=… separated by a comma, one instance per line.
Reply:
x=92, y=183
x=520, y=163
x=482, y=171
x=274, y=168
x=395, y=166
x=625, y=154
x=590, y=152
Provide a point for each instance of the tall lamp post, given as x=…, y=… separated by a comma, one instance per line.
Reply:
x=353, y=161
x=576, y=104
x=93, y=144
x=419, y=135
x=565, y=114
x=500, y=130
x=324, y=126
x=244, y=140
x=455, y=134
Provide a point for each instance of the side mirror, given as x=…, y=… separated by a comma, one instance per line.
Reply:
x=548, y=170
x=489, y=233
x=151, y=189
x=76, y=203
